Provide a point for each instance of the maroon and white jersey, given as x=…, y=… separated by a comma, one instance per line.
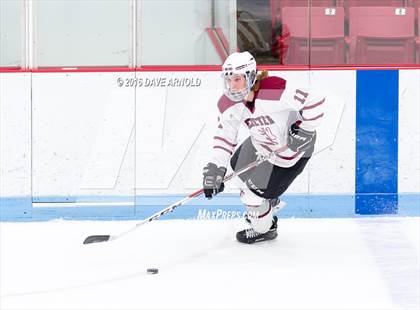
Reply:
x=275, y=107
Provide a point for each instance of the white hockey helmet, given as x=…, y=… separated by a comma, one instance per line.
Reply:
x=239, y=64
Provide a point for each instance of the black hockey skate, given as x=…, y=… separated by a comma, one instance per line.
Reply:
x=251, y=236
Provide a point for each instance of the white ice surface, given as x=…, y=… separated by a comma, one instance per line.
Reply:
x=363, y=263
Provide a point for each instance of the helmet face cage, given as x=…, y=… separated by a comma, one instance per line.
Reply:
x=239, y=95
x=239, y=64
x=235, y=95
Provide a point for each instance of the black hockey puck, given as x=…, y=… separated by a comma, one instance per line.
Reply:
x=152, y=270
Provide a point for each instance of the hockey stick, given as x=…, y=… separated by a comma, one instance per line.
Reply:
x=103, y=238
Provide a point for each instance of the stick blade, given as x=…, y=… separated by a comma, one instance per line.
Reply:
x=96, y=238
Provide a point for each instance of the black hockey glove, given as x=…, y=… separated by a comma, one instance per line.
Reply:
x=300, y=140
x=213, y=180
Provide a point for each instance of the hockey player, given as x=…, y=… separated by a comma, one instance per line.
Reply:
x=281, y=120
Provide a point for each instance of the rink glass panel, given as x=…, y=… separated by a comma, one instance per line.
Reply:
x=81, y=33
x=185, y=32
x=128, y=33
x=11, y=33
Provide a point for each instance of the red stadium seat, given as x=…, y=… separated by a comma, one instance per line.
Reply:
x=306, y=3
x=413, y=3
x=382, y=3
x=381, y=35
x=418, y=36
x=347, y=4
x=327, y=44
x=416, y=4
x=278, y=5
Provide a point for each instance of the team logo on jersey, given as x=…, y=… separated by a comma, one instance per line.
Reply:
x=259, y=121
